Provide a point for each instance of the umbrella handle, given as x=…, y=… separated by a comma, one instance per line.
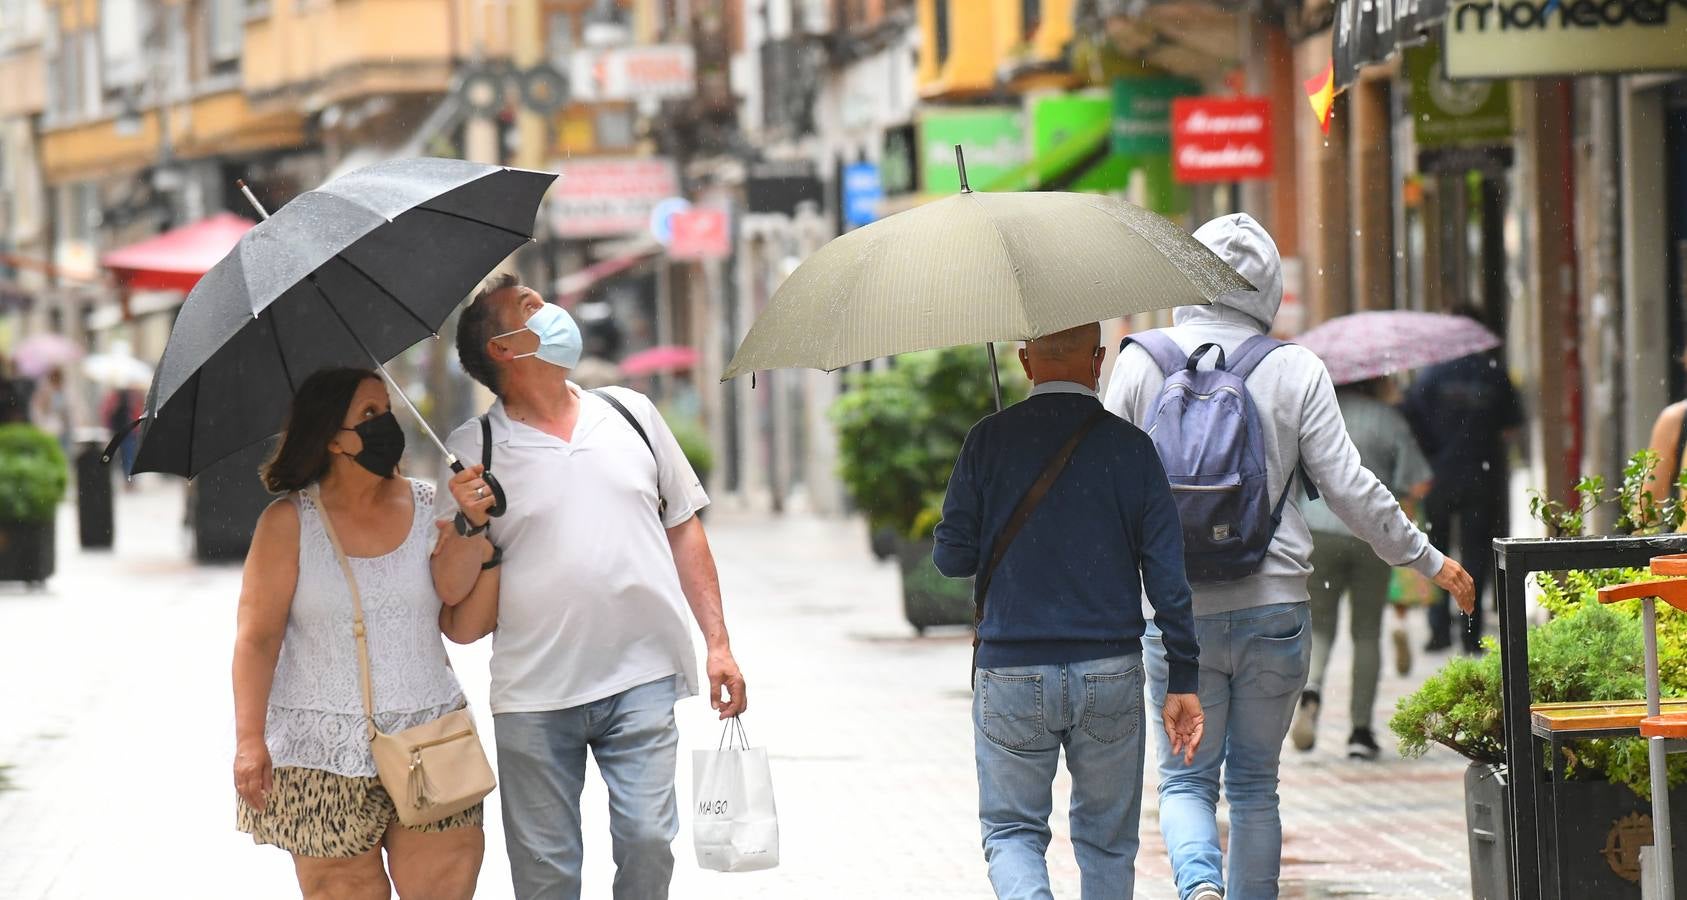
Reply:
x=499, y=501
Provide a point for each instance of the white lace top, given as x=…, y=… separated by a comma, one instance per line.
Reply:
x=316, y=702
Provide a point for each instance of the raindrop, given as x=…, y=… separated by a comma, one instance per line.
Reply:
x=1485, y=465
x=1358, y=232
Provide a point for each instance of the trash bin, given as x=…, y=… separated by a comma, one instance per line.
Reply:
x=94, y=517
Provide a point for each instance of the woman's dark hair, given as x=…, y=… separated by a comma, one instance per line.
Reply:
x=318, y=410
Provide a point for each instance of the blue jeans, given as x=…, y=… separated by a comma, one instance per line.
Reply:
x=1257, y=658
x=1021, y=718
x=542, y=769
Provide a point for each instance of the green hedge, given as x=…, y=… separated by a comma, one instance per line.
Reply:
x=33, y=474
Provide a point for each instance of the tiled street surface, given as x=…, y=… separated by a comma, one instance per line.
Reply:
x=117, y=731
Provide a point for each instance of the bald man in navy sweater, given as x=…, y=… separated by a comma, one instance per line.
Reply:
x=1059, y=661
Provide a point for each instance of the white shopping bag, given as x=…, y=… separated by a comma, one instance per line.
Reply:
x=733, y=820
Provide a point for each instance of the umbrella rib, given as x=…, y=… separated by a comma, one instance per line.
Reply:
x=281, y=354
x=385, y=293
x=509, y=231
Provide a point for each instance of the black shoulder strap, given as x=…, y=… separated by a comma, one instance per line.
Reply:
x=1022, y=513
x=661, y=502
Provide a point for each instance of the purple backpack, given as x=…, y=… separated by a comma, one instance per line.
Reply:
x=1208, y=434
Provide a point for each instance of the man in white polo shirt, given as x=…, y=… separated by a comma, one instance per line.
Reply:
x=600, y=551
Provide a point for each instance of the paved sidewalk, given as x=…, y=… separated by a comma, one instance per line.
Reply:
x=117, y=698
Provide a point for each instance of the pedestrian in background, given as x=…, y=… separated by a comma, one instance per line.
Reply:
x=122, y=407
x=1669, y=440
x=1345, y=564
x=303, y=766
x=1253, y=632
x=1465, y=414
x=1059, y=655
x=49, y=408
x=602, y=551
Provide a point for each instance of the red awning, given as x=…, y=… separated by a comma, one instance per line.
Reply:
x=572, y=287
x=175, y=259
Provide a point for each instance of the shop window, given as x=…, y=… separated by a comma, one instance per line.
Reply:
x=940, y=31
x=1030, y=17
x=227, y=34
x=123, y=26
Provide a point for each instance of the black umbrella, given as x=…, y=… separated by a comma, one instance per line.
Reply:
x=352, y=273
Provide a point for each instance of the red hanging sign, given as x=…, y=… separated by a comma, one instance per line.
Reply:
x=1221, y=139
x=700, y=233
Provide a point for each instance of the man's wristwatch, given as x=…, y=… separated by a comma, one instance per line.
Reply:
x=464, y=529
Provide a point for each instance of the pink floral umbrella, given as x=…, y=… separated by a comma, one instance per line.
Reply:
x=659, y=359
x=41, y=353
x=1366, y=345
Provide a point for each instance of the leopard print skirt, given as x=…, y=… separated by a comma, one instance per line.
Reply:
x=316, y=813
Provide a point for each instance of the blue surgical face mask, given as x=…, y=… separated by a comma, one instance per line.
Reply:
x=559, y=337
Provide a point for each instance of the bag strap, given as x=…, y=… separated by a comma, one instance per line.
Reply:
x=661, y=502
x=357, y=628
x=1251, y=353
x=1167, y=355
x=1022, y=513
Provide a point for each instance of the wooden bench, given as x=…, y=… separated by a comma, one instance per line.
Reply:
x=1557, y=722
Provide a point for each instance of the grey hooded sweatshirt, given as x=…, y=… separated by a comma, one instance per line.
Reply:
x=1302, y=426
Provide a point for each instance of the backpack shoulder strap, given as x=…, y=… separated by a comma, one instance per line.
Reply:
x=1253, y=351
x=1167, y=355
x=661, y=502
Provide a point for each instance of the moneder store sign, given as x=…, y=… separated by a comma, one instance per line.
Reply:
x=1522, y=38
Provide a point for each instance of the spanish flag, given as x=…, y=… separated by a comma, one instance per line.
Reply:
x=1321, y=92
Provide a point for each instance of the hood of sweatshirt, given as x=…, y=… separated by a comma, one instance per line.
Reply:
x=1244, y=245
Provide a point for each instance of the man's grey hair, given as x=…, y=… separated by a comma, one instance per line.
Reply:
x=477, y=325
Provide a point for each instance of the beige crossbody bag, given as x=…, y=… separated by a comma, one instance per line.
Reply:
x=434, y=770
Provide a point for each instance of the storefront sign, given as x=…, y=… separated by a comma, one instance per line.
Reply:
x=609, y=197
x=993, y=139
x=655, y=71
x=1221, y=139
x=899, y=166
x=1454, y=113
x=862, y=194
x=782, y=186
x=1059, y=120
x=1524, y=38
x=700, y=234
x=1142, y=113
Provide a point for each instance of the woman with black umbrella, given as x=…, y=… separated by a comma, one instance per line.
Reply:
x=303, y=766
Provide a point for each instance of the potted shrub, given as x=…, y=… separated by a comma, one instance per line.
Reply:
x=899, y=431
x=1584, y=652
x=33, y=475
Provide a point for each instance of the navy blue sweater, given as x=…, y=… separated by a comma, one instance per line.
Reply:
x=1070, y=587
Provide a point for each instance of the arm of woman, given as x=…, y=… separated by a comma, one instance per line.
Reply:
x=266, y=597
x=476, y=616
x=1665, y=432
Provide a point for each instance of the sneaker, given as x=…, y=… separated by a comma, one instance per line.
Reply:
x=1437, y=644
x=1361, y=744
x=1304, y=731
x=1207, y=892
x=1402, y=652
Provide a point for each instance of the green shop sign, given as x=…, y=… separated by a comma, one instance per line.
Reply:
x=992, y=137
x=1454, y=113
x=1076, y=123
x=1142, y=113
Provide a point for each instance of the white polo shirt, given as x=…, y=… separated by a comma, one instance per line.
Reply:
x=590, y=603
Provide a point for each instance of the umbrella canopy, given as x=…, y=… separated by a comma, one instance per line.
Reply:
x=1366, y=345
x=349, y=274
x=979, y=267
x=659, y=359
x=41, y=353
x=117, y=368
x=176, y=259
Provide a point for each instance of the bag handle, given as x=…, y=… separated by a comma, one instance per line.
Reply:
x=357, y=627
x=733, y=736
x=1022, y=513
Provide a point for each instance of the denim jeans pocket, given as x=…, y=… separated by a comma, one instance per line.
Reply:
x=1010, y=708
x=1112, y=705
x=1278, y=657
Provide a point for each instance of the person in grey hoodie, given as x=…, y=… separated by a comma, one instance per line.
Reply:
x=1253, y=634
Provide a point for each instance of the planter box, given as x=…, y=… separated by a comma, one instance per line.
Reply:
x=928, y=598
x=1601, y=828
x=27, y=551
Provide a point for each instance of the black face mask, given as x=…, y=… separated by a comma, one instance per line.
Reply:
x=383, y=444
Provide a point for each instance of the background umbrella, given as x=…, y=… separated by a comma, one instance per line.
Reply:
x=659, y=359
x=351, y=273
x=976, y=268
x=117, y=368
x=1366, y=345
x=38, y=354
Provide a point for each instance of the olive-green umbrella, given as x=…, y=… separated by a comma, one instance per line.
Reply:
x=976, y=268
